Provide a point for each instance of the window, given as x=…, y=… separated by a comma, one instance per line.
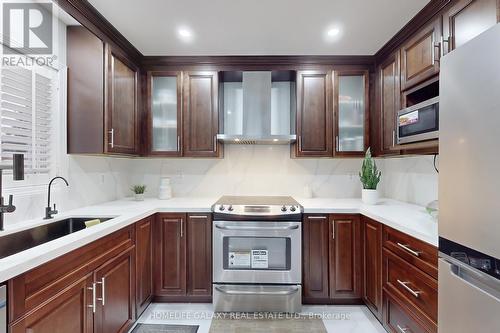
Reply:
x=28, y=119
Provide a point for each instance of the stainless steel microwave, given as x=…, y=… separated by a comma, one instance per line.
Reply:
x=419, y=122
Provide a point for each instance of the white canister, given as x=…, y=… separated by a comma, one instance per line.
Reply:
x=165, y=190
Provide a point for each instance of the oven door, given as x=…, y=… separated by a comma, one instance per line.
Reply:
x=257, y=252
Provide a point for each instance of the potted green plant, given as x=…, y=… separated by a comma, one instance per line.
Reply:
x=138, y=192
x=370, y=177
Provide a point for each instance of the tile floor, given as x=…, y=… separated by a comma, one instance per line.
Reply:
x=337, y=319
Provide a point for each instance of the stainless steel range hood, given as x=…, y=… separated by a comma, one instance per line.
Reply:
x=258, y=108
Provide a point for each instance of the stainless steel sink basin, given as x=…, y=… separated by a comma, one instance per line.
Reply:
x=26, y=239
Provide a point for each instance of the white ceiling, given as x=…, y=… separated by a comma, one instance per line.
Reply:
x=259, y=27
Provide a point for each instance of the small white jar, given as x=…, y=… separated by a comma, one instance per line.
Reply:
x=165, y=190
x=369, y=197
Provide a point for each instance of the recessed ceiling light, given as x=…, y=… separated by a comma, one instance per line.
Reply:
x=185, y=34
x=333, y=32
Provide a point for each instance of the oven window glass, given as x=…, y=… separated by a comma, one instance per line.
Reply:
x=420, y=121
x=257, y=253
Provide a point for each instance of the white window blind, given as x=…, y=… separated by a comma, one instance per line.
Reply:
x=27, y=118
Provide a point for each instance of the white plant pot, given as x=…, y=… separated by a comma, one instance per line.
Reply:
x=139, y=196
x=369, y=197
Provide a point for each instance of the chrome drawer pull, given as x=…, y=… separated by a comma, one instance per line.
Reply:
x=408, y=249
x=403, y=329
x=259, y=293
x=411, y=291
x=198, y=217
x=317, y=217
x=103, y=291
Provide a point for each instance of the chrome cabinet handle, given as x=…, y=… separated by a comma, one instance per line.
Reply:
x=112, y=139
x=447, y=41
x=103, y=291
x=411, y=291
x=300, y=142
x=215, y=143
x=337, y=143
x=393, y=138
x=408, y=249
x=437, y=46
x=333, y=229
x=199, y=217
x=93, y=305
x=292, y=227
x=178, y=143
x=403, y=329
x=317, y=217
x=182, y=228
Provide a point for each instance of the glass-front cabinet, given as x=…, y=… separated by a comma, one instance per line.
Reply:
x=351, y=112
x=164, y=125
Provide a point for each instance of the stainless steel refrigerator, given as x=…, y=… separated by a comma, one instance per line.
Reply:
x=469, y=187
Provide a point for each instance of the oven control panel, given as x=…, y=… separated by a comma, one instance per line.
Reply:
x=257, y=210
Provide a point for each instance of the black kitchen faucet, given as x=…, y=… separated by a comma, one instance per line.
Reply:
x=18, y=174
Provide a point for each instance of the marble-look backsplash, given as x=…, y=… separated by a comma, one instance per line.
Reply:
x=245, y=170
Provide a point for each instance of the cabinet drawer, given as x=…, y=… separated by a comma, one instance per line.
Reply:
x=418, y=253
x=413, y=286
x=397, y=319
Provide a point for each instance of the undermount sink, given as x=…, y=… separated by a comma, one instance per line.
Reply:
x=26, y=239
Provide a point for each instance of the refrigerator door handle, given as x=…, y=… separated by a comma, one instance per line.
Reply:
x=477, y=279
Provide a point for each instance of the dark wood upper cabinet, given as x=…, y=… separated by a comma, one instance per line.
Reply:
x=420, y=55
x=345, y=257
x=170, y=255
x=164, y=119
x=115, y=284
x=315, y=258
x=389, y=103
x=144, y=263
x=121, y=116
x=85, y=61
x=465, y=20
x=372, y=265
x=199, y=249
x=314, y=114
x=201, y=114
x=351, y=105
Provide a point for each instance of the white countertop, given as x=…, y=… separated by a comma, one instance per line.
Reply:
x=407, y=218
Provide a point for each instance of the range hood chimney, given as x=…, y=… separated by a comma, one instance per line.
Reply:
x=258, y=108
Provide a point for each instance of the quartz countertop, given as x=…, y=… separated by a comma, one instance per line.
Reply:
x=410, y=219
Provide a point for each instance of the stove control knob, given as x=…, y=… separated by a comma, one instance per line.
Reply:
x=230, y=208
x=293, y=208
x=221, y=208
x=283, y=209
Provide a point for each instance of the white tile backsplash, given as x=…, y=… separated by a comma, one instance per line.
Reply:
x=245, y=170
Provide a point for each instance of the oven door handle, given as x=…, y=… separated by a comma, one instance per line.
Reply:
x=224, y=227
x=249, y=292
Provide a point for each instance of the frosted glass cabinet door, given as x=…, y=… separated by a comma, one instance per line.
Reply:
x=351, y=113
x=165, y=101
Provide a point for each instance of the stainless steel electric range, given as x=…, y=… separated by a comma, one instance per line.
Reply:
x=257, y=254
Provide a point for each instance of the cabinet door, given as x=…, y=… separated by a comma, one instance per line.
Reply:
x=315, y=257
x=85, y=90
x=165, y=113
x=314, y=114
x=390, y=96
x=372, y=260
x=121, y=115
x=199, y=250
x=201, y=114
x=351, y=112
x=144, y=263
x=68, y=311
x=465, y=20
x=420, y=55
x=115, y=289
x=345, y=257
x=170, y=255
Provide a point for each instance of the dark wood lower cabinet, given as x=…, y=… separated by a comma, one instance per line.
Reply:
x=345, y=258
x=65, y=312
x=183, y=258
x=372, y=265
x=115, y=288
x=144, y=263
x=315, y=258
x=199, y=253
